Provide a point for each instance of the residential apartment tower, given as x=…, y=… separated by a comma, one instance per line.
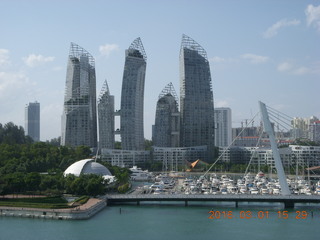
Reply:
x=196, y=97
x=132, y=97
x=79, y=118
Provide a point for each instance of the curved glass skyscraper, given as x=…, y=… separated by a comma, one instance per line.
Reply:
x=106, y=118
x=167, y=122
x=196, y=97
x=132, y=96
x=79, y=118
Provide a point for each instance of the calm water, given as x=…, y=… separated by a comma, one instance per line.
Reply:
x=167, y=222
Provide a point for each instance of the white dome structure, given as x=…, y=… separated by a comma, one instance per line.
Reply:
x=89, y=166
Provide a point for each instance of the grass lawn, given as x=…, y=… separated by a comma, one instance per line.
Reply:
x=36, y=202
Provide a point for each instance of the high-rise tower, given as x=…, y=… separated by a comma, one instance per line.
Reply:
x=196, y=97
x=79, y=118
x=106, y=118
x=223, y=130
x=32, y=121
x=132, y=96
x=167, y=122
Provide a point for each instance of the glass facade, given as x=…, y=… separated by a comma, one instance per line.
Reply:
x=79, y=118
x=167, y=121
x=106, y=118
x=196, y=97
x=32, y=121
x=223, y=129
x=132, y=97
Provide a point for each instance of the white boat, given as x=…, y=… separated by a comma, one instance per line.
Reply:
x=254, y=190
x=158, y=190
x=276, y=191
x=137, y=174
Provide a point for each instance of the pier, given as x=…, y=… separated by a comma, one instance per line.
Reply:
x=288, y=200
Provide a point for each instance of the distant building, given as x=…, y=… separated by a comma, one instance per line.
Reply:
x=300, y=126
x=79, y=118
x=132, y=97
x=293, y=155
x=245, y=136
x=248, y=142
x=223, y=129
x=124, y=158
x=314, y=131
x=172, y=158
x=32, y=121
x=245, y=132
x=167, y=120
x=106, y=118
x=307, y=156
x=196, y=97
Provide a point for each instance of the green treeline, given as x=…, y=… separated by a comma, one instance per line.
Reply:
x=37, y=168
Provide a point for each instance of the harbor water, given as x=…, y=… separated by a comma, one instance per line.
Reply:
x=174, y=221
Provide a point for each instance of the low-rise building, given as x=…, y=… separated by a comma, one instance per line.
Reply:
x=307, y=156
x=124, y=158
x=174, y=157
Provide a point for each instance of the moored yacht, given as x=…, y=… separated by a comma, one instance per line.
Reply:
x=137, y=174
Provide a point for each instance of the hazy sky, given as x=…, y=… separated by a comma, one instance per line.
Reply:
x=266, y=50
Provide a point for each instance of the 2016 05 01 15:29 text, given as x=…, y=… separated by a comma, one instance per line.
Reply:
x=258, y=214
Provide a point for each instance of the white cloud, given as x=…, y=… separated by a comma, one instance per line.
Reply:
x=273, y=30
x=313, y=16
x=217, y=59
x=4, y=57
x=302, y=71
x=255, y=58
x=10, y=83
x=285, y=66
x=35, y=60
x=298, y=70
x=221, y=103
x=106, y=49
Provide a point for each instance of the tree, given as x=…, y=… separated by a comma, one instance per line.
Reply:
x=148, y=144
x=82, y=152
x=13, y=183
x=55, y=141
x=95, y=185
x=122, y=174
x=12, y=134
x=305, y=142
x=117, y=145
x=32, y=181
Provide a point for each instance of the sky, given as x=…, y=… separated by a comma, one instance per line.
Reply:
x=259, y=50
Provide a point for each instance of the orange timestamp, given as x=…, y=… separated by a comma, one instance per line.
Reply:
x=257, y=214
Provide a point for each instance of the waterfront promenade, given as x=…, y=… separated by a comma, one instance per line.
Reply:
x=84, y=211
x=288, y=201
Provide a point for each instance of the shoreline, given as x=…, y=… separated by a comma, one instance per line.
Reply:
x=85, y=211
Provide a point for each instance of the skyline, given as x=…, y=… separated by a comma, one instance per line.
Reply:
x=264, y=51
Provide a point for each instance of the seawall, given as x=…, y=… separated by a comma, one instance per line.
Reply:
x=85, y=211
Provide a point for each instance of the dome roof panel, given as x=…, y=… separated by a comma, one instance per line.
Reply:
x=95, y=168
x=87, y=166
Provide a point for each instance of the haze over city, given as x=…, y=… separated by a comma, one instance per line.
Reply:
x=258, y=50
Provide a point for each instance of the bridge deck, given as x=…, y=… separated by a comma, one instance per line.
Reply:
x=288, y=200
